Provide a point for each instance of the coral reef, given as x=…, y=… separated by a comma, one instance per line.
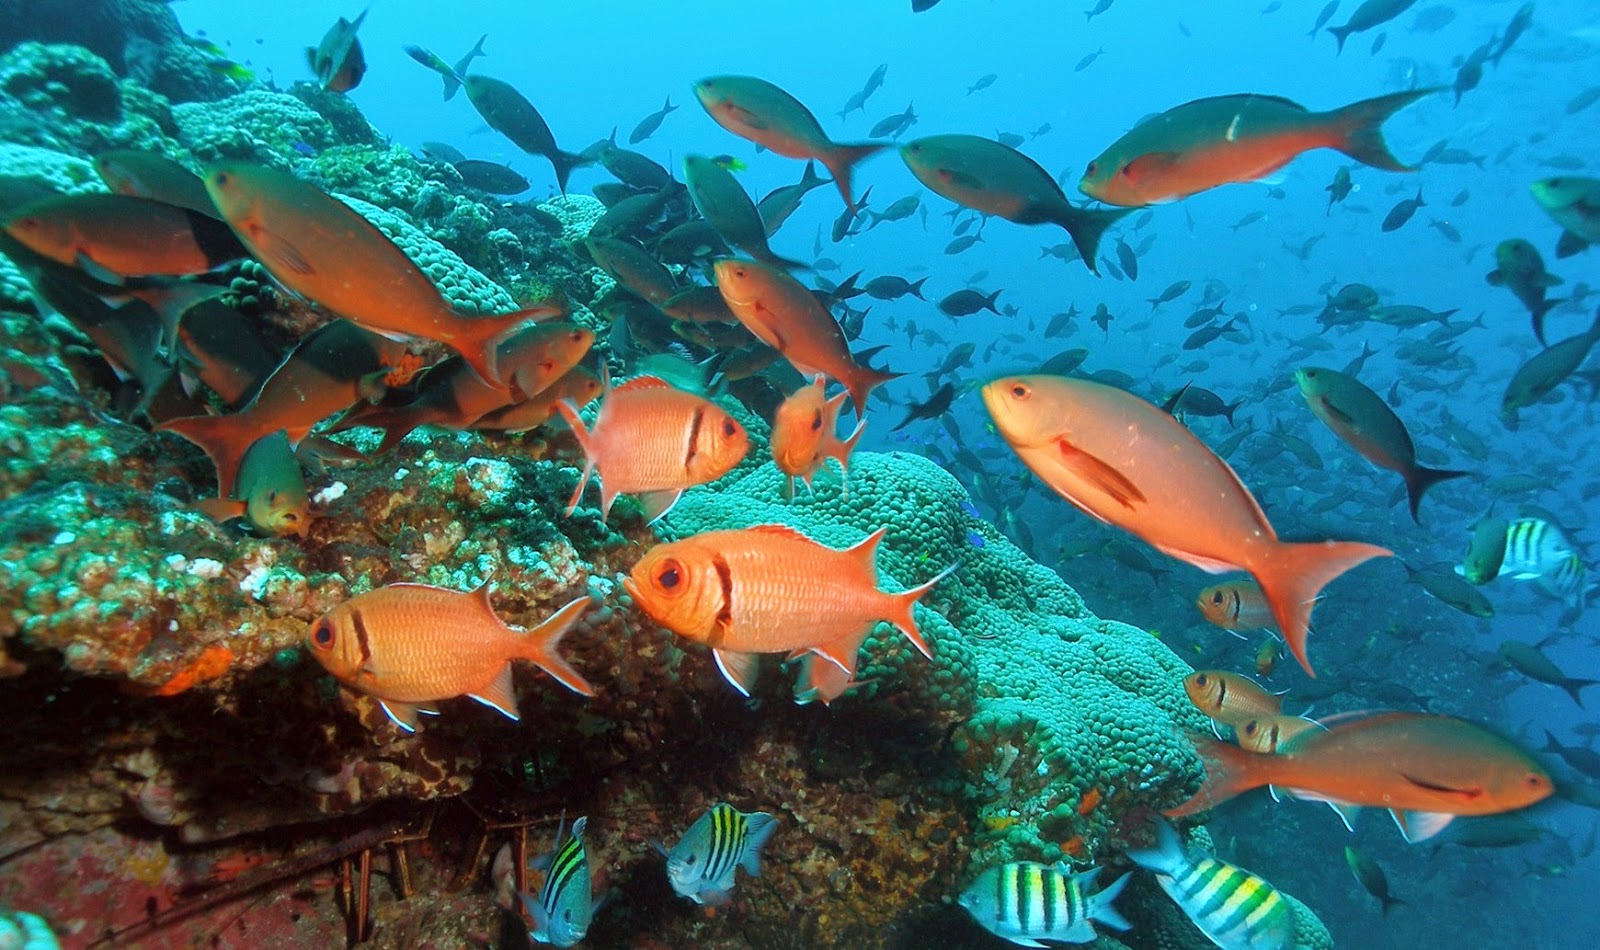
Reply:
x=65, y=97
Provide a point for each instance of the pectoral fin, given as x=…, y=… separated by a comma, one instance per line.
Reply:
x=500, y=695
x=1102, y=476
x=1420, y=825
x=739, y=669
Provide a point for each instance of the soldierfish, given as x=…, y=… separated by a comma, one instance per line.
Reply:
x=410, y=645
x=1229, y=698
x=329, y=370
x=1362, y=419
x=1125, y=462
x=318, y=247
x=805, y=435
x=653, y=440
x=757, y=110
x=1225, y=139
x=1270, y=734
x=1425, y=769
x=788, y=318
x=986, y=176
x=1236, y=605
x=771, y=589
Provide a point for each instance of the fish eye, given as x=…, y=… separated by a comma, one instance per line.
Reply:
x=1092, y=170
x=729, y=428
x=1020, y=390
x=816, y=422
x=1216, y=598
x=1251, y=727
x=322, y=634
x=669, y=575
x=222, y=178
x=1200, y=679
x=691, y=859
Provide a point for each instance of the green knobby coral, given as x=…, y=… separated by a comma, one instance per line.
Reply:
x=1069, y=721
x=257, y=126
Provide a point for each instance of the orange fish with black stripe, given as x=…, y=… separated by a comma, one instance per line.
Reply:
x=771, y=589
x=653, y=440
x=805, y=434
x=410, y=645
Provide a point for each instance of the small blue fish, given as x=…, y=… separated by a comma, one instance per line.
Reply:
x=975, y=539
x=565, y=906
x=970, y=508
x=305, y=148
x=701, y=866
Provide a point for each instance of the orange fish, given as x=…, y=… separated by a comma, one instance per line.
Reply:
x=653, y=440
x=410, y=645
x=787, y=317
x=771, y=589
x=757, y=110
x=111, y=237
x=1269, y=734
x=1223, y=139
x=820, y=680
x=1236, y=605
x=452, y=396
x=318, y=247
x=1229, y=698
x=1127, y=463
x=328, y=372
x=576, y=385
x=805, y=434
x=1425, y=769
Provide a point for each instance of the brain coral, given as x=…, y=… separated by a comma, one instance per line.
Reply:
x=1067, y=721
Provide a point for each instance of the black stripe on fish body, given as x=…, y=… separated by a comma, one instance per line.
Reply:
x=693, y=447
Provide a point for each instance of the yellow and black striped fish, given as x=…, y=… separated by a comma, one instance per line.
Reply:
x=1026, y=902
x=701, y=866
x=1236, y=909
x=565, y=906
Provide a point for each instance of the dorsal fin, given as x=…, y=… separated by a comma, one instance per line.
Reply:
x=782, y=530
x=867, y=549
x=643, y=382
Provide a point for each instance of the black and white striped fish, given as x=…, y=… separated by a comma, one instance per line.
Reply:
x=1026, y=902
x=701, y=866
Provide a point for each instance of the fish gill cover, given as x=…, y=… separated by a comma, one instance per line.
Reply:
x=356, y=362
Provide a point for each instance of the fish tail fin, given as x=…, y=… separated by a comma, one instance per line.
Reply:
x=1341, y=33
x=1358, y=128
x=1574, y=687
x=900, y=613
x=809, y=178
x=539, y=646
x=1230, y=772
x=841, y=159
x=758, y=831
x=222, y=438
x=1166, y=854
x=916, y=289
x=1389, y=901
x=452, y=85
x=565, y=162
x=569, y=412
x=1086, y=226
x=1421, y=479
x=1292, y=575
x=1100, y=905
x=863, y=381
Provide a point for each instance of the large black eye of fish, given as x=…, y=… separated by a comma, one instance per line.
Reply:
x=1217, y=597
x=816, y=422
x=1200, y=680
x=1092, y=170
x=1020, y=390
x=322, y=634
x=669, y=576
x=222, y=178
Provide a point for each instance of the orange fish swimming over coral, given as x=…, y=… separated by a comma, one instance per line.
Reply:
x=410, y=645
x=771, y=589
x=1127, y=463
x=805, y=434
x=1425, y=769
x=321, y=249
x=653, y=440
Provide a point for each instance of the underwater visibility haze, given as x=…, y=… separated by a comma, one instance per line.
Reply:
x=893, y=473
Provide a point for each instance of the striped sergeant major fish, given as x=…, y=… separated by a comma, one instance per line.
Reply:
x=701, y=867
x=1569, y=582
x=1236, y=909
x=565, y=905
x=1026, y=902
x=1534, y=548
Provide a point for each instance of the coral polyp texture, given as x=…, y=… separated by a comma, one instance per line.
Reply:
x=177, y=769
